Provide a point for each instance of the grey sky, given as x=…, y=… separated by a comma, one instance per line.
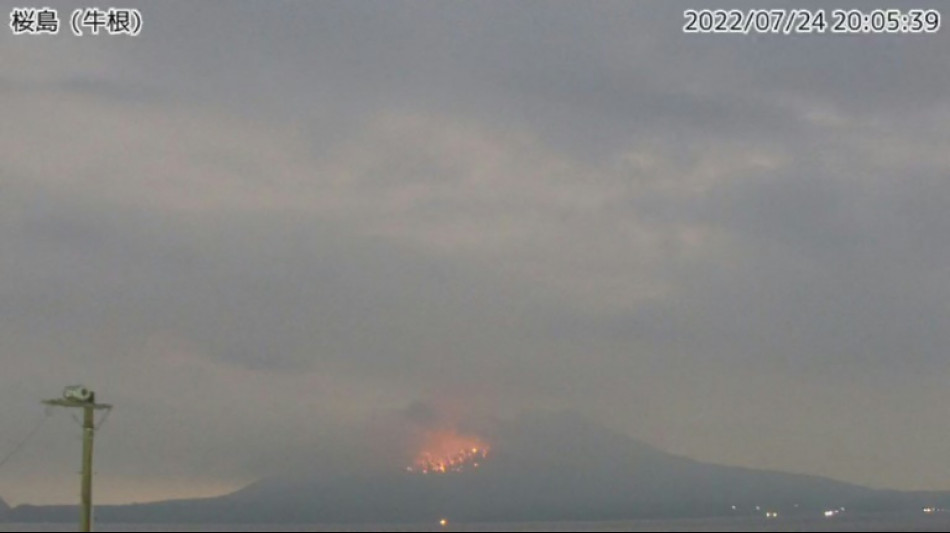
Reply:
x=258, y=225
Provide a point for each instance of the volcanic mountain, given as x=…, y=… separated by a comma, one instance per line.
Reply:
x=542, y=467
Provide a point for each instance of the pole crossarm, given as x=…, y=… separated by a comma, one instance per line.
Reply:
x=60, y=402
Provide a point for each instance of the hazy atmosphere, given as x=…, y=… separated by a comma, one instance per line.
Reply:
x=271, y=232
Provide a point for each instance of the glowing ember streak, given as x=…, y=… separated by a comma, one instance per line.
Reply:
x=446, y=451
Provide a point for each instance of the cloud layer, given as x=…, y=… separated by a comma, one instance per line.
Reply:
x=255, y=226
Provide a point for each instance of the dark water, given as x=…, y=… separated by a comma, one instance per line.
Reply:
x=912, y=522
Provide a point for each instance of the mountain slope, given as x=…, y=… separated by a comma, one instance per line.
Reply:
x=542, y=467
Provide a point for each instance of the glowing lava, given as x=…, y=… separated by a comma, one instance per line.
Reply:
x=443, y=452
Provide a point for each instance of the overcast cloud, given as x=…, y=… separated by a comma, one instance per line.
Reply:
x=259, y=225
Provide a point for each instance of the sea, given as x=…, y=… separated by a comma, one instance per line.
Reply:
x=909, y=522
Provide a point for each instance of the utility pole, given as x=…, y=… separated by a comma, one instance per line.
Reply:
x=80, y=397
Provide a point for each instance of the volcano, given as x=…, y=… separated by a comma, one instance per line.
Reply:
x=542, y=467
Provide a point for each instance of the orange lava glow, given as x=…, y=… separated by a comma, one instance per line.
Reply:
x=443, y=452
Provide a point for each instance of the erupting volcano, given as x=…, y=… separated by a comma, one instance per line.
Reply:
x=443, y=452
